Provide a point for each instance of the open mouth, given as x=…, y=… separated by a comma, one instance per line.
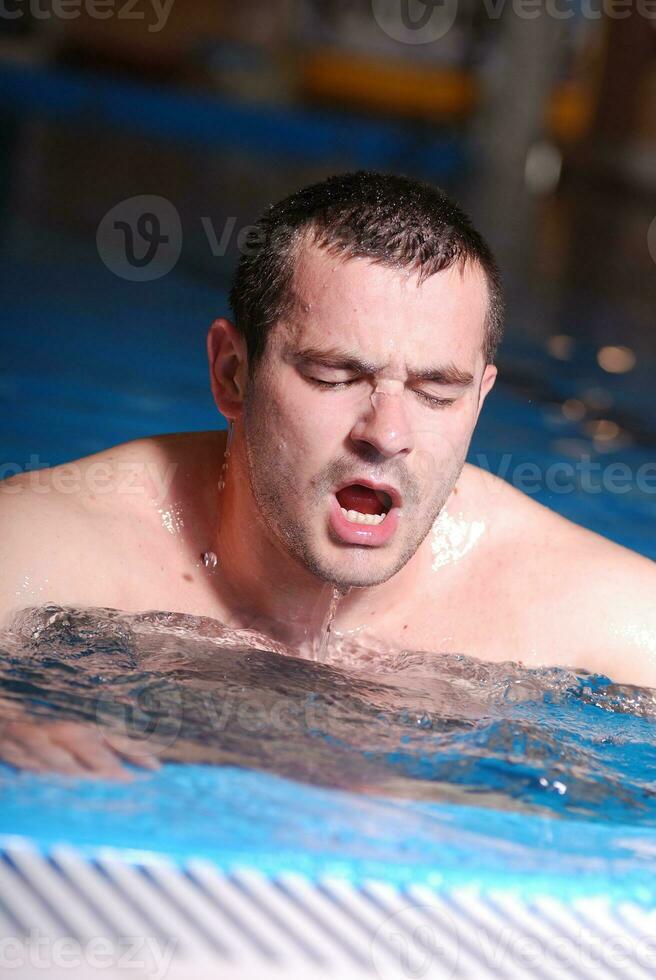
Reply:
x=363, y=505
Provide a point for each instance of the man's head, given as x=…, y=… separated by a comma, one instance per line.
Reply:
x=350, y=293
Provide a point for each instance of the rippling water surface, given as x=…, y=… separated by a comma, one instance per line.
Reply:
x=398, y=723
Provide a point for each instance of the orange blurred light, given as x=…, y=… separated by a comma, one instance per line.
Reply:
x=602, y=430
x=616, y=360
x=560, y=345
x=573, y=409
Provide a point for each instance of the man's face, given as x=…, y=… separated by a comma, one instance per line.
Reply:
x=305, y=441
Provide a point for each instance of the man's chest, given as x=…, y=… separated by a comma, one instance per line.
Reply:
x=493, y=622
x=481, y=615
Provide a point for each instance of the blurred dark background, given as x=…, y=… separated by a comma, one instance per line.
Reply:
x=540, y=119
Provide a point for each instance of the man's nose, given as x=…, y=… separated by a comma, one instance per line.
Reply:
x=385, y=424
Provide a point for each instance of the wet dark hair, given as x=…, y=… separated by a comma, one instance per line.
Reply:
x=390, y=219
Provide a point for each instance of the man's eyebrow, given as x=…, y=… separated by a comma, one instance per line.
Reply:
x=337, y=357
x=446, y=374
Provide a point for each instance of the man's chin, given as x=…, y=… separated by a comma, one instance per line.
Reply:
x=356, y=571
x=362, y=581
x=343, y=565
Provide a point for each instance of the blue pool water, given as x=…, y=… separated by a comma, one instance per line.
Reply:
x=558, y=786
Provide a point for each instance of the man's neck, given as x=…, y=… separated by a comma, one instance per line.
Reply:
x=265, y=588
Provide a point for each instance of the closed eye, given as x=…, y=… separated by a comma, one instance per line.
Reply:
x=432, y=400
x=331, y=384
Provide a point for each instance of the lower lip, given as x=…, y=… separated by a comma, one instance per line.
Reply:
x=367, y=534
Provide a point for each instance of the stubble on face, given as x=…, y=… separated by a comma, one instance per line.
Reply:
x=288, y=513
x=280, y=441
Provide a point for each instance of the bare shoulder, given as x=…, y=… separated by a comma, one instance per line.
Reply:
x=51, y=531
x=592, y=597
x=67, y=532
x=540, y=532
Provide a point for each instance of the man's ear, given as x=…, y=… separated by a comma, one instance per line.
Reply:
x=228, y=363
x=487, y=381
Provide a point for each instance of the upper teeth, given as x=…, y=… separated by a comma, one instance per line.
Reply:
x=355, y=517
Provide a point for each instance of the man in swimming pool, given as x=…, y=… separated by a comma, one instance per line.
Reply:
x=367, y=312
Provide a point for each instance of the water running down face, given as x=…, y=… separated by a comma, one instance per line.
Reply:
x=353, y=445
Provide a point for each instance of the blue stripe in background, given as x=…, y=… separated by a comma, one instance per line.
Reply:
x=212, y=121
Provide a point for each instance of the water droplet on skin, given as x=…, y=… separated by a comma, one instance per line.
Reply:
x=352, y=631
x=172, y=519
x=226, y=454
x=453, y=537
x=209, y=560
x=326, y=626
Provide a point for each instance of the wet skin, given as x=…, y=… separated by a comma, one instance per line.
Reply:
x=473, y=565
